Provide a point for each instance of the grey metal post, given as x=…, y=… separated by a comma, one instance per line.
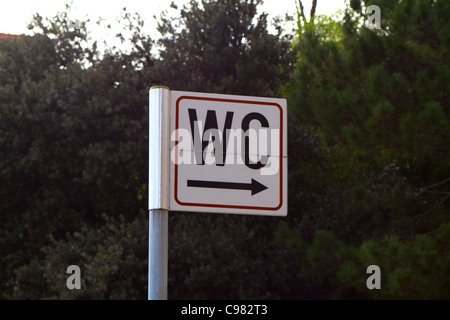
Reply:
x=158, y=248
x=158, y=195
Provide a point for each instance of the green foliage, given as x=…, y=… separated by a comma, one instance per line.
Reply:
x=368, y=156
x=411, y=269
x=74, y=150
x=110, y=257
x=378, y=100
x=223, y=46
x=73, y=130
x=380, y=87
x=221, y=257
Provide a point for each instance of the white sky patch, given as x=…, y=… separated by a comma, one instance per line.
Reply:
x=16, y=15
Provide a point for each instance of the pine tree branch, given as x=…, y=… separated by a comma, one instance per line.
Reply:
x=426, y=190
x=420, y=216
x=434, y=185
x=313, y=10
x=301, y=13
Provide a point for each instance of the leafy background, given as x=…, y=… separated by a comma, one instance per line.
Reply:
x=369, y=142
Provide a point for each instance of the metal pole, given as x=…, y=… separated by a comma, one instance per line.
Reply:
x=158, y=196
x=158, y=249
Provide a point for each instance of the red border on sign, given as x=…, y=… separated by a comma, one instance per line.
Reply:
x=219, y=205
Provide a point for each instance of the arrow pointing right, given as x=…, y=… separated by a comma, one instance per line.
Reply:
x=254, y=186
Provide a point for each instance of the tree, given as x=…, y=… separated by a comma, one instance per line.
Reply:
x=302, y=20
x=382, y=96
x=223, y=46
x=74, y=144
x=379, y=102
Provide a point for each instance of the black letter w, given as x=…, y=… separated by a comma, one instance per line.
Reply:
x=199, y=141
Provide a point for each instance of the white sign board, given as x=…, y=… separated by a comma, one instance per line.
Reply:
x=228, y=154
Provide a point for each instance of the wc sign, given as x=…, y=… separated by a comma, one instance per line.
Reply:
x=228, y=154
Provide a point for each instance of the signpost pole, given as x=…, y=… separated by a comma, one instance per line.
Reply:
x=158, y=205
x=158, y=248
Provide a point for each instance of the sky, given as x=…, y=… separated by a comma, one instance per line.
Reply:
x=15, y=15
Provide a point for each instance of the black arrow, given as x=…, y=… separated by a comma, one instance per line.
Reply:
x=254, y=186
